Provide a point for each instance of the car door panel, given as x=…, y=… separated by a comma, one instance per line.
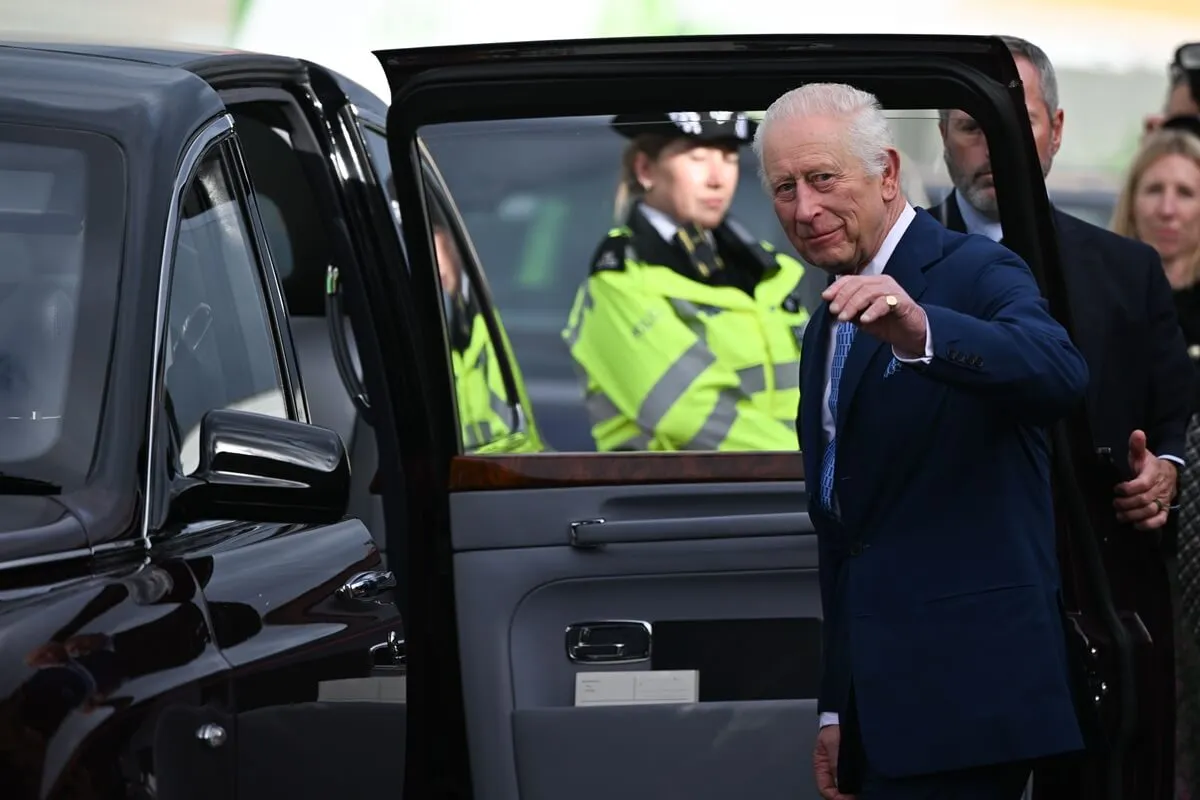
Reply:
x=108, y=657
x=292, y=642
x=724, y=575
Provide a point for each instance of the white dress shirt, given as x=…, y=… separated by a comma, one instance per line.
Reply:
x=662, y=222
x=976, y=222
x=874, y=267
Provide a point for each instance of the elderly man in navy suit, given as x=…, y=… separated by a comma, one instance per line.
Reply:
x=929, y=376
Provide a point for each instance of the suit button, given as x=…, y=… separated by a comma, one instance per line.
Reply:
x=856, y=549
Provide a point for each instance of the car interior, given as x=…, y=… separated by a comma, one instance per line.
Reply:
x=284, y=165
x=44, y=205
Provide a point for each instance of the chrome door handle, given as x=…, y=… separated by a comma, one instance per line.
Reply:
x=365, y=585
x=609, y=642
x=389, y=655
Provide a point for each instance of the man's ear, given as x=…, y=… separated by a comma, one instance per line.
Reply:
x=890, y=178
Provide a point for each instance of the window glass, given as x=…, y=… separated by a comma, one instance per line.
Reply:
x=488, y=417
x=62, y=222
x=220, y=349
x=382, y=161
x=644, y=355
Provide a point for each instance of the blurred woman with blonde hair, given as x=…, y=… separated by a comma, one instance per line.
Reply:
x=1159, y=204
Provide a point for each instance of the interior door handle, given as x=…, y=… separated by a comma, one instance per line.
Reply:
x=390, y=654
x=609, y=642
x=366, y=585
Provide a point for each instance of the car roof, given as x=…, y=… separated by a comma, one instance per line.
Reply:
x=129, y=100
x=61, y=60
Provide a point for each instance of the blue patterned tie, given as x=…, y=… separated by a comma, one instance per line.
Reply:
x=843, y=338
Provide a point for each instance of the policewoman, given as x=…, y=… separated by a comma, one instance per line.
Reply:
x=483, y=410
x=687, y=329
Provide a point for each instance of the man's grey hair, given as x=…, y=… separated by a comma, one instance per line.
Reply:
x=1023, y=48
x=868, y=134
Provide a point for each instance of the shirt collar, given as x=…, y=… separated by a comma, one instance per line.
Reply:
x=877, y=264
x=662, y=222
x=976, y=222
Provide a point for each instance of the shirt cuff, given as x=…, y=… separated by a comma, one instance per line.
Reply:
x=827, y=718
x=1174, y=460
x=925, y=359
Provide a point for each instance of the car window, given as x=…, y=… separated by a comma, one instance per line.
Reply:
x=487, y=381
x=221, y=352
x=377, y=146
x=537, y=198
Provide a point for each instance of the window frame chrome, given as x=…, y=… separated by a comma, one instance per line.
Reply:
x=213, y=134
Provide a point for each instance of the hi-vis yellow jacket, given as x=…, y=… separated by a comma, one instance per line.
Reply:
x=484, y=413
x=674, y=362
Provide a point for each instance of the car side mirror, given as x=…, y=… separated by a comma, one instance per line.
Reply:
x=256, y=468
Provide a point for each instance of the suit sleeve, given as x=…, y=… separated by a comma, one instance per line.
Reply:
x=1009, y=348
x=1172, y=386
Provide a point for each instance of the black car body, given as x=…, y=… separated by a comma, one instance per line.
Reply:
x=205, y=609
x=157, y=621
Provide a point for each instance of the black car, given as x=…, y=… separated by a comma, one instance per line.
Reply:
x=183, y=597
x=207, y=544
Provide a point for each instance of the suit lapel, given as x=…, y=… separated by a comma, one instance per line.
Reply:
x=920, y=246
x=812, y=388
x=949, y=214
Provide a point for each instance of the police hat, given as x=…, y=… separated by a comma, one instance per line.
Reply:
x=708, y=126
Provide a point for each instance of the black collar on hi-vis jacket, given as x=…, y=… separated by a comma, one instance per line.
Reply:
x=744, y=260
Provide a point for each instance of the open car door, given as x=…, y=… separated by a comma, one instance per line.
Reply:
x=526, y=571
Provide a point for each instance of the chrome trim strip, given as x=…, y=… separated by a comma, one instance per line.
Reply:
x=272, y=287
x=48, y=558
x=211, y=134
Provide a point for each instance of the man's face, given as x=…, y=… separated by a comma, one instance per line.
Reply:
x=1180, y=102
x=834, y=213
x=449, y=265
x=966, y=151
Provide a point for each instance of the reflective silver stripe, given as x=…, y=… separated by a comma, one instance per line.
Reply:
x=752, y=380
x=689, y=313
x=791, y=424
x=600, y=408
x=573, y=331
x=639, y=442
x=719, y=422
x=500, y=407
x=787, y=376
x=798, y=333
x=673, y=384
x=470, y=441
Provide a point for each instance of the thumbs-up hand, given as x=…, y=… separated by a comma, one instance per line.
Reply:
x=1145, y=501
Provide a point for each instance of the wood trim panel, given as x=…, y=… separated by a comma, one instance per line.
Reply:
x=560, y=470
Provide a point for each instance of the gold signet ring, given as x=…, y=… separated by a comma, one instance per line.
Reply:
x=891, y=301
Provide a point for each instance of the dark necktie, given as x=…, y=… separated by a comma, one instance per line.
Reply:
x=696, y=244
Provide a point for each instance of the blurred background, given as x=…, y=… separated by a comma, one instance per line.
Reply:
x=1111, y=55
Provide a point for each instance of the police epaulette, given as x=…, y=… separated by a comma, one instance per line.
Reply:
x=761, y=251
x=610, y=255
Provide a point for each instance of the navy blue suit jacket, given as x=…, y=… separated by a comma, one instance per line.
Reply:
x=940, y=580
